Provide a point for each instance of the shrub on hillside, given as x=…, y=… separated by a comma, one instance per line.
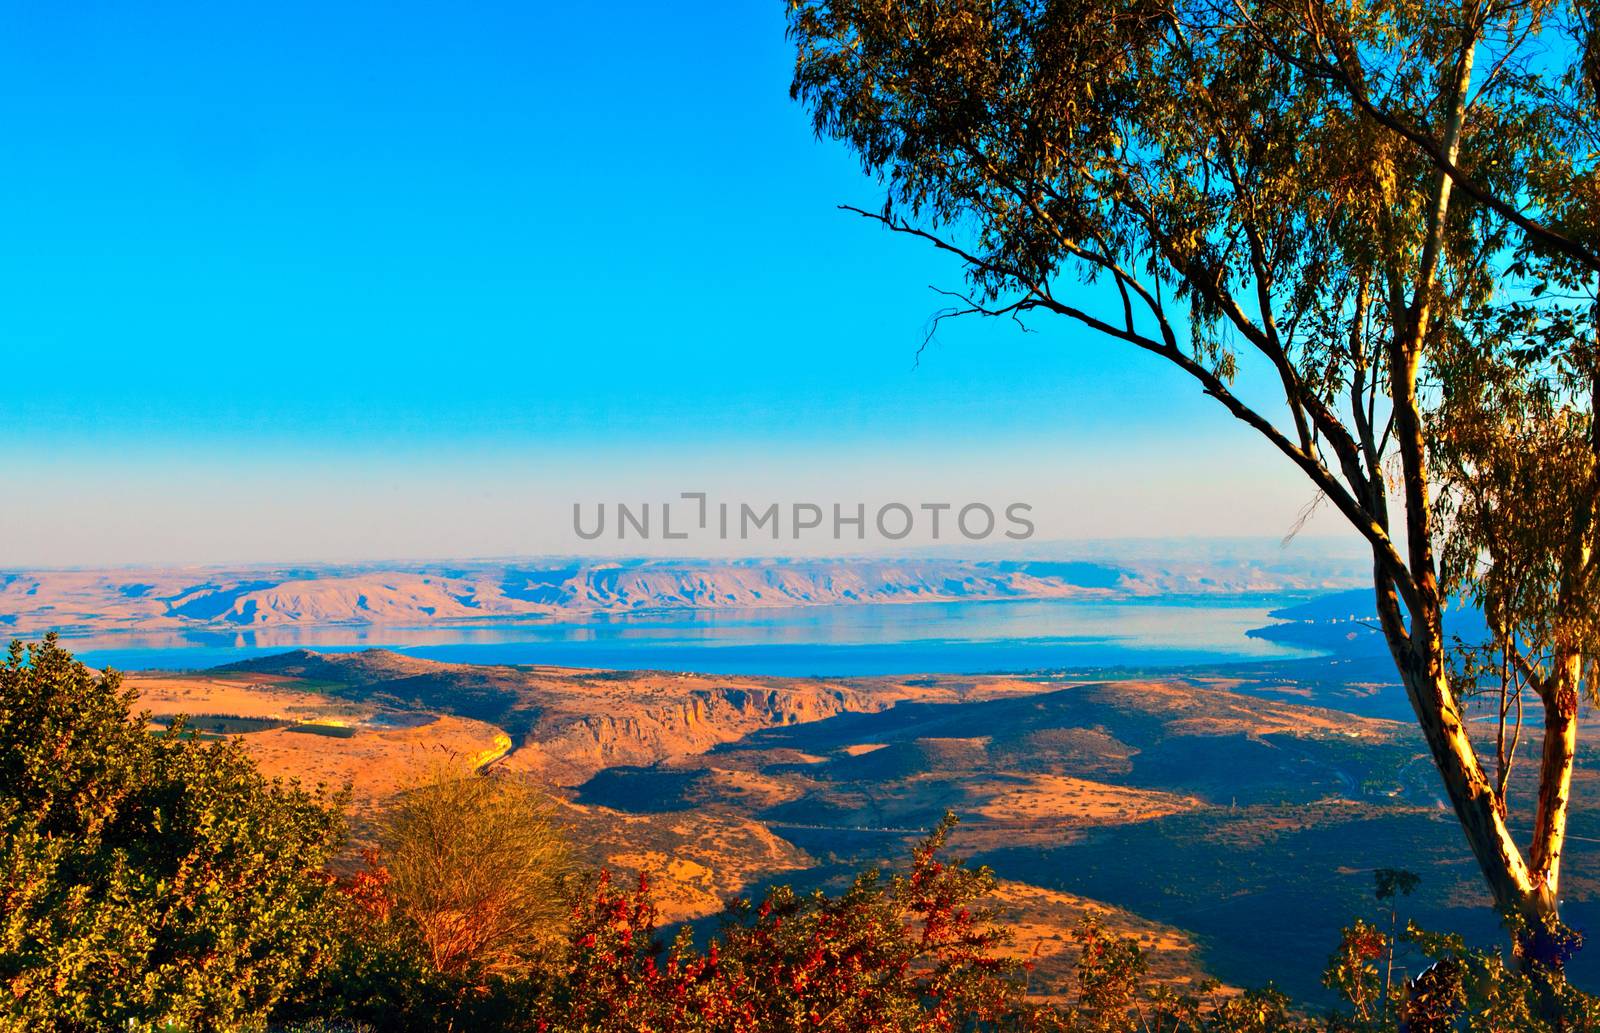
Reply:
x=456, y=918
x=903, y=953
x=146, y=881
x=920, y=952
x=476, y=868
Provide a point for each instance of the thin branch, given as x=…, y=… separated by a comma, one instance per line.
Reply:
x=971, y=308
x=1344, y=71
x=1211, y=384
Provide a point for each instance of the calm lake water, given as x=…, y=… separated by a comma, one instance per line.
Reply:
x=950, y=638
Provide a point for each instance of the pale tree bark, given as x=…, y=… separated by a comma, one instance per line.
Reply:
x=1559, y=751
x=1527, y=886
x=1559, y=690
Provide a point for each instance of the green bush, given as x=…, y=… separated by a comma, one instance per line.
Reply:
x=148, y=881
x=458, y=916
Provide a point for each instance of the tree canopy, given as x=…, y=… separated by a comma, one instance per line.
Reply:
x=1385, y=211
x=475, y=865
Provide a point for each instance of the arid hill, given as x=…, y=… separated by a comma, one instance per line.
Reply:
x=177, y=599
x=566, y=724
x=1148, y=801
x=1039, y=768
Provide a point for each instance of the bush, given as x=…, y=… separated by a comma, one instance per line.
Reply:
x=475, y=866
x=911, y=952
x=920, y=952
x=458, y=915
x=147, y=881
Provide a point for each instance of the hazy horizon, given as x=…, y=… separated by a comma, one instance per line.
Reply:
x=1305, y=547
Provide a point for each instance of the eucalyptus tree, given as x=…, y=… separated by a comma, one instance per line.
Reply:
x=1384, y=213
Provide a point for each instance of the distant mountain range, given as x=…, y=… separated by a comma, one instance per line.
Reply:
x=156, y=599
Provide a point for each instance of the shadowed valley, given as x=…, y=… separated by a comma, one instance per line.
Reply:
x=1203, y=812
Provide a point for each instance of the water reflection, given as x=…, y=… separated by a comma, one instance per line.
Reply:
x=960, y=637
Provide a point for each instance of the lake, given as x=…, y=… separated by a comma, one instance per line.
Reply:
x=835, y=641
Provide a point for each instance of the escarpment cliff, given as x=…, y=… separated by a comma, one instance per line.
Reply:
x=425, y=595
x=566, y=723
x=567, y=749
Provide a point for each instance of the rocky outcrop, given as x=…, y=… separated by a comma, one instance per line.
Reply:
x=565, y=724
x=568, y=750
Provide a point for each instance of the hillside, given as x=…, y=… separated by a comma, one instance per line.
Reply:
x=414, y=595
x=568, y=723
x=1251, y=825
x=1217, y=815
x=1033, y=768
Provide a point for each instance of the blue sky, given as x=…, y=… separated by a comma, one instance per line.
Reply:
x=361, y=280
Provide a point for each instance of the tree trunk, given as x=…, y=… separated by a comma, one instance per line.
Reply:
x=1560, y=747
x=1472, y=795
x=1515, y=888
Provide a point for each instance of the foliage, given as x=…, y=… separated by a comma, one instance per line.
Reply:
x=1458, y=987
x=919, y=952
x=910, y=952
x=455, y=918
x=475, y=866
x=1455, y=983
x=881, y=957
x=146, y=881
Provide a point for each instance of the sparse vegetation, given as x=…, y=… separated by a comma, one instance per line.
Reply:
x=920, y=951
x=475, y=867
x=316, y=728
x=224, y=724
x=155, y=882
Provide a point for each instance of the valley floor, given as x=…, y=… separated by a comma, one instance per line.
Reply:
x=1221, y=816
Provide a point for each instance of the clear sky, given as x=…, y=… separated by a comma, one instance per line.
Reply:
x=321, y=281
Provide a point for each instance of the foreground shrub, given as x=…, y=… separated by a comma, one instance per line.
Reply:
x=919, y=952
x=916, y=952
x=905, y=952
x=908, y=952
x=458, y=917
x=475, y=866
x=146, y=881
x=1457, y=986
